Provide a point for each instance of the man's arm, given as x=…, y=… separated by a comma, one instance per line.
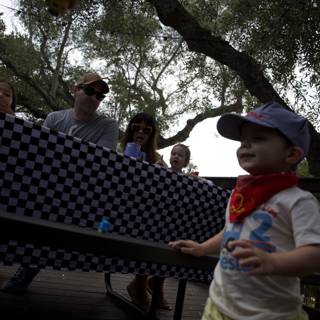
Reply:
x=48, y=121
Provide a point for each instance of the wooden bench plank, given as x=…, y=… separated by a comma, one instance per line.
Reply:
x=70, y=237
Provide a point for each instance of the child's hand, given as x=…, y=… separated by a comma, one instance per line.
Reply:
x=258, y=261
x=187, y=246
x=161, y=162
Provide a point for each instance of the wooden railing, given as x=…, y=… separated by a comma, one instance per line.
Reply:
x=307, y=183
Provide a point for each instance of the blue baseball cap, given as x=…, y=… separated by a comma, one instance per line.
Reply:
x=271, y=115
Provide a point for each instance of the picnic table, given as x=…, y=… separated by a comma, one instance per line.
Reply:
x=54, y=184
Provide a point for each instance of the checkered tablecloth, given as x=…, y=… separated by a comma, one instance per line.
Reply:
x=53, y=176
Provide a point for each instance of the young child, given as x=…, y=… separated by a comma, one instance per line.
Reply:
x=272, y=232
x=179, y=157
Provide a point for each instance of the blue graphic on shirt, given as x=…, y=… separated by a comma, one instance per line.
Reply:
x=230, y=235
x=258, y=237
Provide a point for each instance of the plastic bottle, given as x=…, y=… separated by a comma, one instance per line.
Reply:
x=104, y=225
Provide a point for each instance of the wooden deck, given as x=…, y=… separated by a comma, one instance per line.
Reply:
x=81, y=295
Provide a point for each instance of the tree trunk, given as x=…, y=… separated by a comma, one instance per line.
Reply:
x=172, y=13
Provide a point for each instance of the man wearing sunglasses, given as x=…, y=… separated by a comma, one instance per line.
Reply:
x=83, y=122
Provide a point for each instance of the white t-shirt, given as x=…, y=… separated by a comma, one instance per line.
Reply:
x=288, y=220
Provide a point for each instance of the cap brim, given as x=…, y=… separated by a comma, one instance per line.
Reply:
x=103, y=85
x=229, y=125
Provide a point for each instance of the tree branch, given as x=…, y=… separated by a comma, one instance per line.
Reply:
x=191, y=123
x=172, y=13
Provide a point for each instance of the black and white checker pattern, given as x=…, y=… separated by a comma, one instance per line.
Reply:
x=53, y=176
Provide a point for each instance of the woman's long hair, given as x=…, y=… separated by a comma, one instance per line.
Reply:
x=150, y=146
x=14, y=95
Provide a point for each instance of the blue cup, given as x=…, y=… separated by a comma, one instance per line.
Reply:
x=133, y=150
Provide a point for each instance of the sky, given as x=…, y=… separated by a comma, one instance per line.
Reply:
x=213, y=155
x=8, y=16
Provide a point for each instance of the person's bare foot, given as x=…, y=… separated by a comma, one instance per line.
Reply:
x=162, y=303
x=138, y=295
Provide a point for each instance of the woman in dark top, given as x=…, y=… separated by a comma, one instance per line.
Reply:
x=142, y=129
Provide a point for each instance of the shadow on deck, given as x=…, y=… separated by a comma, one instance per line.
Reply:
x=81, y=295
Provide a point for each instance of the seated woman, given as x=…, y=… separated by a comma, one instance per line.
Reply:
x=142, y=129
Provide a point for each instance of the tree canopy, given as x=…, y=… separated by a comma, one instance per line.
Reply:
x=178, y=60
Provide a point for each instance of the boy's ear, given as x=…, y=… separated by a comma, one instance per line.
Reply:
x=296, y=155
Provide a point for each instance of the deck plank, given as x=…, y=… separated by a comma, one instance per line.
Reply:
x=81, y=295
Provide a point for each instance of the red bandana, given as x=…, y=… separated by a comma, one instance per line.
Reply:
x=250, y=191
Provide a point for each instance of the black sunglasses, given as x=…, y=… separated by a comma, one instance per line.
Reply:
x=90, y=91
x=137, y=127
